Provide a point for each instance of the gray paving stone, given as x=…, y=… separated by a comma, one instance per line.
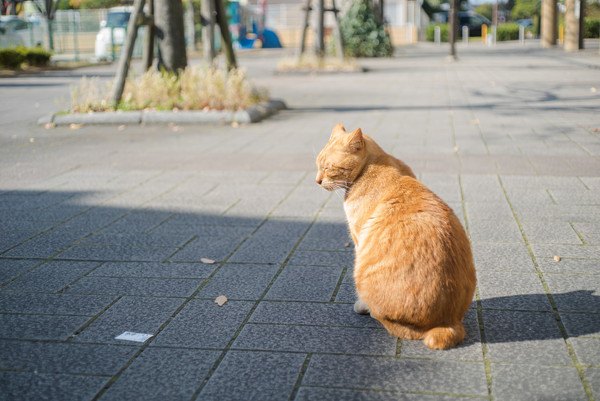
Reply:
x=139, y=315
x=305, y=283
x=335, y=394
x=581, y=324
x=593, y=377
x=327, y=236
x=523, y=291
x=385, y=373
x=308, y=313
x=552, y=232
x=323, y=258
x=39, y=327
x=580, y=197
x=215, y=243
x=525, y=337
x=31, y=386
x=495, y=231
x=505, y=257
x=346, y=293
x=587, y=350
x=11, y=268
x=481, y=188
x=566, y=251
x=50, y=277
x=351, y=340
x=158, y=287
x=253, y=376
x=160, y=374
x=569, y=265
x=237, y=281
x=154, y=270
x=529, y=382
x=491, y=210
x=271, y=243
x=575, y=292
x=118, y=253
x=54, y=304
x=88, y=359
x=204, y=324
x=589, y=231
x=469, y=350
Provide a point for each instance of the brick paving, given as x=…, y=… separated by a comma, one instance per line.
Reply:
x=103, y=230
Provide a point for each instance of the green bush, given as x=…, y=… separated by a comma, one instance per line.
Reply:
x=591, y=28
x=508, y=31
x=35, y=56
x=363, y=36
x=11, y=58
x=430, y=32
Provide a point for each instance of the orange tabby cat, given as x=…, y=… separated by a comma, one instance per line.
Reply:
x=414, y=269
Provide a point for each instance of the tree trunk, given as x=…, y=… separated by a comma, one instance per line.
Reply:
x=227, y=44
x=168, y=19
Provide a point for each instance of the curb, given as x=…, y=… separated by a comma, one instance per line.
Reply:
x=250, y=115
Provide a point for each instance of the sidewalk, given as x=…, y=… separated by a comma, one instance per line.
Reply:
x=103, y=231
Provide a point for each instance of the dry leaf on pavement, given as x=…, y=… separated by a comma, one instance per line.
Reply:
x=207, y=261
x=221, y=300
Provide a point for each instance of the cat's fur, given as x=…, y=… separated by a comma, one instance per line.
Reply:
x=413, y=268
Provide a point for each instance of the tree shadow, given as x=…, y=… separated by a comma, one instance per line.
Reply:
x=73, y=226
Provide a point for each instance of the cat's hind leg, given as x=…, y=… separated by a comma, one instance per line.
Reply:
x=361, y=307
x=444, y=337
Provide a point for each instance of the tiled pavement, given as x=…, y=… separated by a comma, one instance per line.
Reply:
x=103, y=231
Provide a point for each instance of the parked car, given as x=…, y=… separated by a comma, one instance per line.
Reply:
x=112, y=32
x=13, y=31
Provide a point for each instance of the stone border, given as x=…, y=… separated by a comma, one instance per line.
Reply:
x=250, y=115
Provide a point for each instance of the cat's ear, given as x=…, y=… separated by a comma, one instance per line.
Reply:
x=338, y=129
x=356, y=140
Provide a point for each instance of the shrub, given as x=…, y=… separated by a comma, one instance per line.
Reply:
x=591, y=28
x=11, y=58
x=362, y=35
x=35, y=56
x=430, y=32
x=193, y=89
x=508, y=31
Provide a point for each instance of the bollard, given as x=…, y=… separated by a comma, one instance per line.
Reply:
x=437, y=35
x=561, y=34
x=465, y=34
x=484, y=33
x=521, y=34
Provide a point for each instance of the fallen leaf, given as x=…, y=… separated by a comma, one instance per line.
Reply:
x=556, y=258
x=175, y=128
x=75, y=126
x=49, y=125
x=221, y=300
x=207, y=261
x=31, y=140
x=235, y=124
x=121, y=128
x=347, y=245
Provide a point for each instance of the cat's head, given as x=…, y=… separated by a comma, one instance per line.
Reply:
x=342, y=159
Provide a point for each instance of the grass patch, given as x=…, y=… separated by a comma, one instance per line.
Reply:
x=195, y=88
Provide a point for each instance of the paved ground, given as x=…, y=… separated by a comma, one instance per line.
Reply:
x=103, y=230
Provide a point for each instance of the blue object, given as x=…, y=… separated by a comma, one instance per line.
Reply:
x=270, y=39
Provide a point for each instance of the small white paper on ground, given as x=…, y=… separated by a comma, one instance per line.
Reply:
x=131, y=336
x=207, y=261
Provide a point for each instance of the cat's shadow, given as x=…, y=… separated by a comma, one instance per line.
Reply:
x=531, y=317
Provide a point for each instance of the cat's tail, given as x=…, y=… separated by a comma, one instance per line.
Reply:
x=444, y=337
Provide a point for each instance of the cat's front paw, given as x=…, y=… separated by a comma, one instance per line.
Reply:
x=361, y=308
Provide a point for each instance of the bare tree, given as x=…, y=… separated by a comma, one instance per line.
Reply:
x=168, y=25
x=48, y=9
